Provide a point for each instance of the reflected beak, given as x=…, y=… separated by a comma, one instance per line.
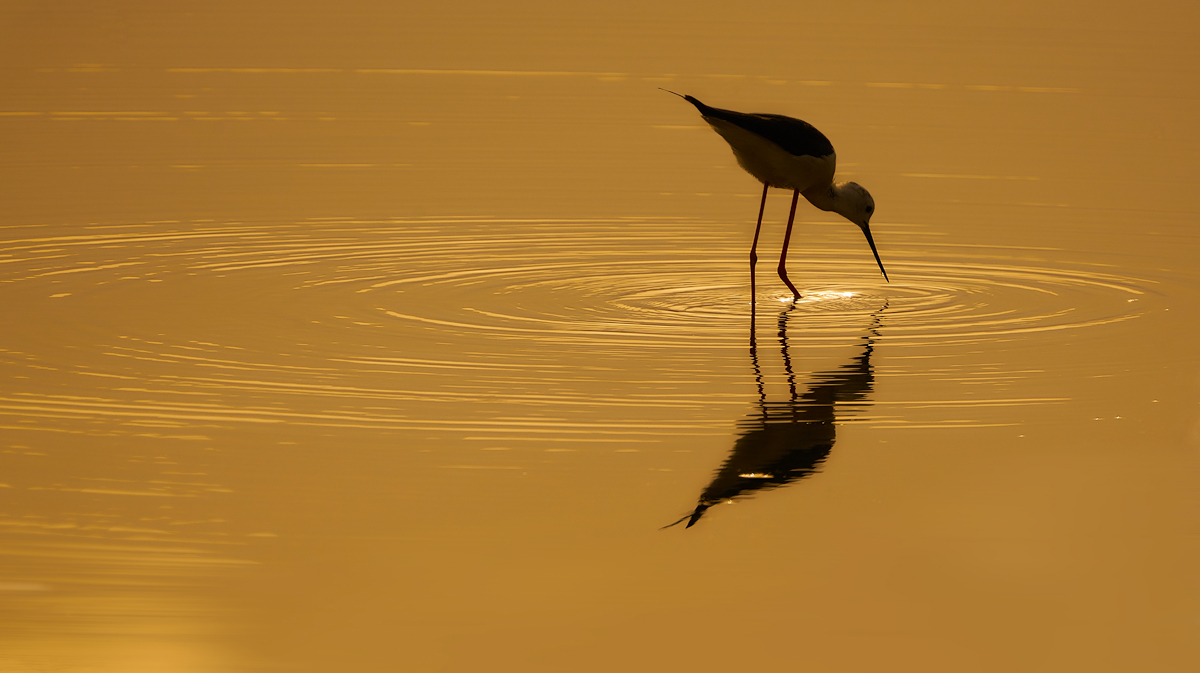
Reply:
x=866, y=230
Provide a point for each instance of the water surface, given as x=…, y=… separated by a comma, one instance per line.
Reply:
x=382, y=339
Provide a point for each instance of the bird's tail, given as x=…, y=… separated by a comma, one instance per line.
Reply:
x=699, y=106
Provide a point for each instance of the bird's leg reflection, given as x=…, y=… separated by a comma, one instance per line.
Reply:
x=783, y=349
x=786, y=441
x=758, y=377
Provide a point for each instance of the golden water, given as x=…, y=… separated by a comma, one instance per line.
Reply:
x=382, y=338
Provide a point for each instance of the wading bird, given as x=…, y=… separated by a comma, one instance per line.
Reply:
x=788, y=153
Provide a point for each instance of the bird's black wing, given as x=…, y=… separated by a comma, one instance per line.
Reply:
x=795, y=136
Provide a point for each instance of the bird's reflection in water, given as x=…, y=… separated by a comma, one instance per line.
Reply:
x=787, y=440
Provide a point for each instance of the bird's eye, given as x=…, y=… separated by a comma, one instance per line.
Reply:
x=870, y=209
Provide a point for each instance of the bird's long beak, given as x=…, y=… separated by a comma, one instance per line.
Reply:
x=866, y=230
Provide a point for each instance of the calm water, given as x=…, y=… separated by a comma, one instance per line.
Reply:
x=388, y=339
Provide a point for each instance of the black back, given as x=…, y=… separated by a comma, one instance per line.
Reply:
x=795, y=136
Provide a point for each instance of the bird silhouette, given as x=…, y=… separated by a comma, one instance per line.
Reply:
x=789, y=153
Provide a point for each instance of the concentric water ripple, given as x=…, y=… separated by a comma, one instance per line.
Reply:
x=402, y=323
x=643, y=289
x=593, y=282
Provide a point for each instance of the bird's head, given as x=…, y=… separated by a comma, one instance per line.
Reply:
x=853, y=202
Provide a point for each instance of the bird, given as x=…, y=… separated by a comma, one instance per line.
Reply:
x=789, y=153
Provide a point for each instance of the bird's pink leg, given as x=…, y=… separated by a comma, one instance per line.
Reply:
x=787, y=237
x=754, y=246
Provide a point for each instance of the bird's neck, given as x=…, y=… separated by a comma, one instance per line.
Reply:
x=825, y=198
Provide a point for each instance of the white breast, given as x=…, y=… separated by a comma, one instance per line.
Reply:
x=770, y=163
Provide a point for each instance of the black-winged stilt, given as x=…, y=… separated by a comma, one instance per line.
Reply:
x=788, y=153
